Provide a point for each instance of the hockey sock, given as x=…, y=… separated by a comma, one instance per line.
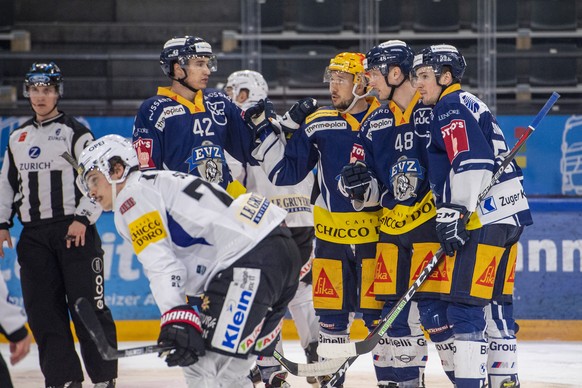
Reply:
x=470, y=363
x=502, y=362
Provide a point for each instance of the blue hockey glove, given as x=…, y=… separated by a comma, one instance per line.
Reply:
x=259, y=118
x=181, y=329
x=356, y=179
x=293, y=118
x=450, y=227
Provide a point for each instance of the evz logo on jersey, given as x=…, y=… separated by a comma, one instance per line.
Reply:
x=217, y=111
x=404, y=178
x=207, y=160
x=455, y=138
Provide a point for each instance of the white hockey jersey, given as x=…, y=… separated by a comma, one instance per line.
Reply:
x=184, y=230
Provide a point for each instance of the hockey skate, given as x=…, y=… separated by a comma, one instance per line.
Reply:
x=255, y=375
x=325, y=379
x=311, y=355
x=105, y=384
x=510, y=383
x=277, y=380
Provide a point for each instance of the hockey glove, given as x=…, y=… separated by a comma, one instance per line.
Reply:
x=181, y=329
x=260, y=118
x=356, y=178
x=293, y=118
x=450, y=227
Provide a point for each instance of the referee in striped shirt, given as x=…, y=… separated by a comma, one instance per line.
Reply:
x=59, y=250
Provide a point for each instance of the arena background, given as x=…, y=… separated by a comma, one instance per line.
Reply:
x=108, y=52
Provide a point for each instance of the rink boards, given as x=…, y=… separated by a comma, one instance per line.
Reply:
x=548, y=296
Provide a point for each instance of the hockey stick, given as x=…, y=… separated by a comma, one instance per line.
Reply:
x=322, y=368
x=354, y=349
x=87, y=314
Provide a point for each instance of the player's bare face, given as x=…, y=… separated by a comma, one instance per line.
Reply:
x=198, y=72
x=99, y=189
x=43, y=100
x=377, y=81
x=426, y=83
x=340, y=87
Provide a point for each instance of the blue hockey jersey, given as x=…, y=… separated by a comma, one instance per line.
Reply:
x=173, y=133
x=325, y=140
x=394, y=144
x=465, y=149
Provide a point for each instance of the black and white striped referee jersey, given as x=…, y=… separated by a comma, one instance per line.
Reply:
x=36, y=183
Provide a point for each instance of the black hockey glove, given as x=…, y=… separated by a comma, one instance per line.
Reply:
x=450, y=227
x=356, y=179
x=259, y=118
x=181, y=329
x=295, y=116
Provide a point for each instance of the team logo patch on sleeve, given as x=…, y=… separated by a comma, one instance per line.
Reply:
x=144, y=149
x=455, y=138
x=146, y=230
x=128, y=204
x=357, y=153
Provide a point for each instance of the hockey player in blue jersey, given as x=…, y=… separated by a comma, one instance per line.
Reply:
x=395, y=175
x=187, y=128
x=465, y=147
x=343, y=267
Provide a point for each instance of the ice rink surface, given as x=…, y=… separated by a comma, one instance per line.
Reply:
x=541, y=365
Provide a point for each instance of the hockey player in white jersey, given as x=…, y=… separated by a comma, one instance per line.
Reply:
x=195, y=240
x=246, y=88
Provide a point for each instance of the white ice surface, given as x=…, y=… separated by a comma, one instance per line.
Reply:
x=541, y=364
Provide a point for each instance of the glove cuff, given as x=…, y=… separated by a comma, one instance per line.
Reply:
x=448, y=212
x=182, y=314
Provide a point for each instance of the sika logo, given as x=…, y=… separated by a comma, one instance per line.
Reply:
x=487, y=278
x=438, y=274
x=381, y=275
x=324, y=288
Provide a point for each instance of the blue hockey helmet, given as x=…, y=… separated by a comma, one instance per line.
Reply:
x=182, y=49
x=390, y=53
x=441, y=55
x=43, y=74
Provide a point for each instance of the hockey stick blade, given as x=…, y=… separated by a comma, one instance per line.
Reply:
x=87, y=314
x=368, y=344
x=322, y=368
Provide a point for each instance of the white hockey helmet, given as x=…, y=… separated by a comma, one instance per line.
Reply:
x=250, y=80
x=98, y=155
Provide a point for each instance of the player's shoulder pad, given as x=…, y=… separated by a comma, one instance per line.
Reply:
x=321, y=112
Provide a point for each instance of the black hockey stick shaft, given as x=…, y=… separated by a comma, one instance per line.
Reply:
x=368, y=344
x=89, y=318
